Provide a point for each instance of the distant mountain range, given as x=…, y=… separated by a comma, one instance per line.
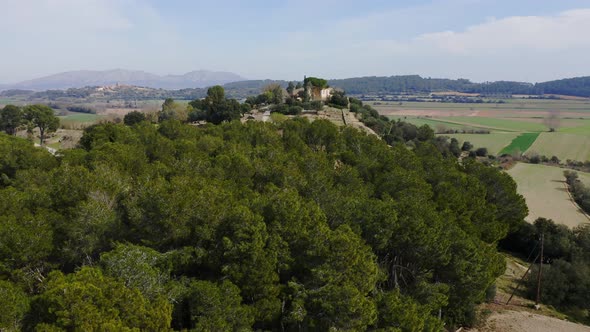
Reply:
x=83, y=78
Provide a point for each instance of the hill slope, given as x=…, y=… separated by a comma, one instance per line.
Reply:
x=83, y=78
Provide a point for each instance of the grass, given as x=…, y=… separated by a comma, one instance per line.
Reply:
x=494, y=142
x=78, y=120
x=80, y=117
x=278, y=117
x=55, y=145
x=521, y=143
x=583, y=130
x=545, y=193
x=510, y=281
x=564, y=146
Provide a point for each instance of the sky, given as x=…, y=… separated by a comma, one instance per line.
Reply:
x=481, y=40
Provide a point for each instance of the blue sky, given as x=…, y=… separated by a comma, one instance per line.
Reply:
x=522, y=40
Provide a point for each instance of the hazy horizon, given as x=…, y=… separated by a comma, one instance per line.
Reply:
x=529, y=41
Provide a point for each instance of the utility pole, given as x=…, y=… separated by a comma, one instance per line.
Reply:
x=538, y=301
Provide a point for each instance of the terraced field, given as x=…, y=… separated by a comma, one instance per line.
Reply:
x=546, y=195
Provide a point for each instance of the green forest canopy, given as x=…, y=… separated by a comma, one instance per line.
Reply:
x=246, y=226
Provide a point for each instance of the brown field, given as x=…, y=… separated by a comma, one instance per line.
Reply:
x=425, y=113
x=546, y=193
x=509, y=108
x=562, y=123
x=527, y=114
x=441, y=113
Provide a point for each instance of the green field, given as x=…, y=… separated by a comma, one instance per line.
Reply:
x=498, y=124
x=546, y=196
x=564, y=146
x=6, y=101
x=80, y=117
x=521, y=143
x=494, y=142
x=509, y=104
x=476, y=122
x=583, y=130
x=438, y=125
x=525, y=118
x=78, y=120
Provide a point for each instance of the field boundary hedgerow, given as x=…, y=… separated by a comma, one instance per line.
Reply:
x=569, y=193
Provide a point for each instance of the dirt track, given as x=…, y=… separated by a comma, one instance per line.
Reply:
x=524, y=321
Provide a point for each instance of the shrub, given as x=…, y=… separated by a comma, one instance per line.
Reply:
x=481, y=152
x=134, y=117
x=535, y=159
x=467, y=146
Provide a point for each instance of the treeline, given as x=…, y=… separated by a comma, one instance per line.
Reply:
x=578, y=86
x=414, y=84
x=579, y=191
x=81, y=109
x=566, y=271
x=42, y=117
x=255, y=226
x=237, y=90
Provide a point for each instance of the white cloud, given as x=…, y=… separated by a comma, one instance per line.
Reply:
x=43, y=16
x=539, y=33
x=524, y=48
x=42, y=37
x=440, y=38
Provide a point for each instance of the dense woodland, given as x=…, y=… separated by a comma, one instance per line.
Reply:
x=295, y=226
